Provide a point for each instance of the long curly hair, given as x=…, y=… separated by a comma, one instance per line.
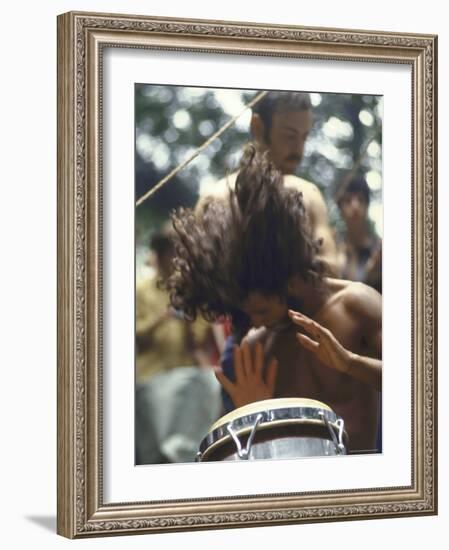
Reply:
x=254, y=239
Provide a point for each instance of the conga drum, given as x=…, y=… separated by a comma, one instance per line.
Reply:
x=275, y=428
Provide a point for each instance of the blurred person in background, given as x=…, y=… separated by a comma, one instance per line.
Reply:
x=360, y=248
x=177, y=396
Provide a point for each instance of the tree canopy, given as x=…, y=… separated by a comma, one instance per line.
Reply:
x=172, y=121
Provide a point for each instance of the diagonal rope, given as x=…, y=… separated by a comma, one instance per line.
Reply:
x=201, y=148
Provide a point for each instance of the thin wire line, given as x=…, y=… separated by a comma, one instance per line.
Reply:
x=183, y=164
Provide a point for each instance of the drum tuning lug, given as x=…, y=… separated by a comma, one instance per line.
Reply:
x=336, y=432
x=243, y=453
x=340, y=424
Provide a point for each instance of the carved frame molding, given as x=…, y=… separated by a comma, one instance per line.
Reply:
x=81, y=39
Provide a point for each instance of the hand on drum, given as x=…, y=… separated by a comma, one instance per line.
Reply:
x=322, y=343
x=250, y=383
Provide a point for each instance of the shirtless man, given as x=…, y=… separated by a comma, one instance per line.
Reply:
x=251, y=256
x=280, y=124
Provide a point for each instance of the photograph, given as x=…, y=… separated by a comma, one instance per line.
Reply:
x=258, y=235
x=223, y=303
x=246, y=274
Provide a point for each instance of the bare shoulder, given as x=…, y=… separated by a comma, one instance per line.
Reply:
x=215, y=190
x=313, y=201
x=309, y=190
x=218, y=188
x=255, y=335
x=362, y=300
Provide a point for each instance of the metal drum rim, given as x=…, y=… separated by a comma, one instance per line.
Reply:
x=297, y=415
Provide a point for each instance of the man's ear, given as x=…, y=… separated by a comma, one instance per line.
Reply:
x=257, y=129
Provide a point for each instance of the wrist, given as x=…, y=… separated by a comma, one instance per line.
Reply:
x=351, y=360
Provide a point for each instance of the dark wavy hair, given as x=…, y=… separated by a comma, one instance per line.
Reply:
x=280, y=102
x=356, y=185
x=255, y=239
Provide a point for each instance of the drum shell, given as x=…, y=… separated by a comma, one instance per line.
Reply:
x=288, y=428
x=288, y=441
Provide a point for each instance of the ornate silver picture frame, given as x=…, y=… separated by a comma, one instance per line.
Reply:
x=83, y=510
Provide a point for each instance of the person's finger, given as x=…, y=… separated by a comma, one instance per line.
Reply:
x=225, y=382
x=246, y=359
x=240, y=376
x=272, y=371
x=312, y=327
x=298, y=314
x=308, y=343
x=258, y=359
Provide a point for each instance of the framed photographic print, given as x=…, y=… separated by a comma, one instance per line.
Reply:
x=246, y=274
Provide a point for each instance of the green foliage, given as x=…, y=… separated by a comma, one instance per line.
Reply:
x=172, y=121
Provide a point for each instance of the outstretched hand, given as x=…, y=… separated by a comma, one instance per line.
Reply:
x=250, y=384
x=322, y=343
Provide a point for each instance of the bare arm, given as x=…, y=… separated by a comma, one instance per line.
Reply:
x=321, y=341
x=319, y=220
x=366, y=369
x=366, y=304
